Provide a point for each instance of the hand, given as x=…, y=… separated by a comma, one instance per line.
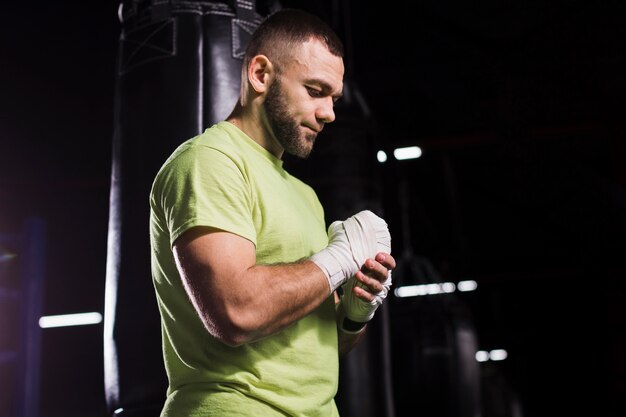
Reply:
x=351, y=243
x=366, y=290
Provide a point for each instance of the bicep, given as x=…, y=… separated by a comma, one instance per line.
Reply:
x=211, y=263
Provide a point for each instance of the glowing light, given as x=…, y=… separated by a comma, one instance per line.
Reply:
x=411, y=152
x=381, y=156
x=118, y=411
x=448, y=287
x=498, y=354
x=424, y=289
x=469, y=285
x=410, y=291
x=66, y=320
x=492, y=355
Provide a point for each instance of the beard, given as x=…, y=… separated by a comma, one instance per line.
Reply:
x=285, y=128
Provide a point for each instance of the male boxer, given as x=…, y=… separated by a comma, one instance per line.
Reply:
x=244, y=270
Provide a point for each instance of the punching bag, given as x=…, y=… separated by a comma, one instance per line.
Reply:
x=178, y=72
x=433, y=338
x=434, y=346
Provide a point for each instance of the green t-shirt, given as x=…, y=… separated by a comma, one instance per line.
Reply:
x=224, y=179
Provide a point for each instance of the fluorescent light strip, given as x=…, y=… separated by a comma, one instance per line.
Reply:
x=468, y=285
x=493, y=355
x=412, y=152
x=498, y=354
x=66, y=320
x=432, y=289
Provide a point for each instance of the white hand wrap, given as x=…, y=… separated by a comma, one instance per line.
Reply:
x=359, y=310
x=350, y=243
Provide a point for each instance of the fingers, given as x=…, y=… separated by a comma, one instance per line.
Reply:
x=363, y=294
x=375, y=270
x=372, y=275
x=386, y=260
x=367, y=287
x=378, y=269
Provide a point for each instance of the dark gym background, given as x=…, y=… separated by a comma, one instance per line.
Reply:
x=519, y=110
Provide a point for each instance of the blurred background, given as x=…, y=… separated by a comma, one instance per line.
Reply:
x=512, y=204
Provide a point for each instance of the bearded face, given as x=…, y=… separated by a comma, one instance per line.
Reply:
x=295, y=139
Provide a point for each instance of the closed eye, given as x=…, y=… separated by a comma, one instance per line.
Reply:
x=314, y=92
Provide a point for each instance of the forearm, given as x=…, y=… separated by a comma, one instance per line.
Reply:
x=267, y=299
x=347, y=340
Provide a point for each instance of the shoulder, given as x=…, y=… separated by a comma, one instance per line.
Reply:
x=212, y=154
x=214, y=145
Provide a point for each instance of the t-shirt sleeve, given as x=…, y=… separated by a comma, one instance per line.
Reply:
x=205, y=187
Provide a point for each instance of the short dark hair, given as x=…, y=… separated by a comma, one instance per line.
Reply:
x=281, y=32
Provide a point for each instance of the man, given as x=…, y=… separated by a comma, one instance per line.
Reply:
x=244, y=272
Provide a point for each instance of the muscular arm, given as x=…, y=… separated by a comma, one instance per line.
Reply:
x=238, y=301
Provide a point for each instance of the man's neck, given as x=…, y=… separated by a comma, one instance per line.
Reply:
x=252, y=125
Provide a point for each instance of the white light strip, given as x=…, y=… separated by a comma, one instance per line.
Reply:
x=381, y=156
x=498, y=354
x=469, y=285
x=432, y=289
x=66, y=320
x=493, y=355
x=411, y=152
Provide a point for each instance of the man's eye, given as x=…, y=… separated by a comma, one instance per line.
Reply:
x=313, y=92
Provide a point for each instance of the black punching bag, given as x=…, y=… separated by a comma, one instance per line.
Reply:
x=179, y=65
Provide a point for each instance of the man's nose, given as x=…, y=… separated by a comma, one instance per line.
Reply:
x=326, y=111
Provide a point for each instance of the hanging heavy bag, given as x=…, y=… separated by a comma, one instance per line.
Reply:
x=178, y=72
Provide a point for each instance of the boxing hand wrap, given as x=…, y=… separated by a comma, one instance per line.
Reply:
x=350, y=243
x=357, y=311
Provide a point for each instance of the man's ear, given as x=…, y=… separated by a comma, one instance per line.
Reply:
x=260, y=73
